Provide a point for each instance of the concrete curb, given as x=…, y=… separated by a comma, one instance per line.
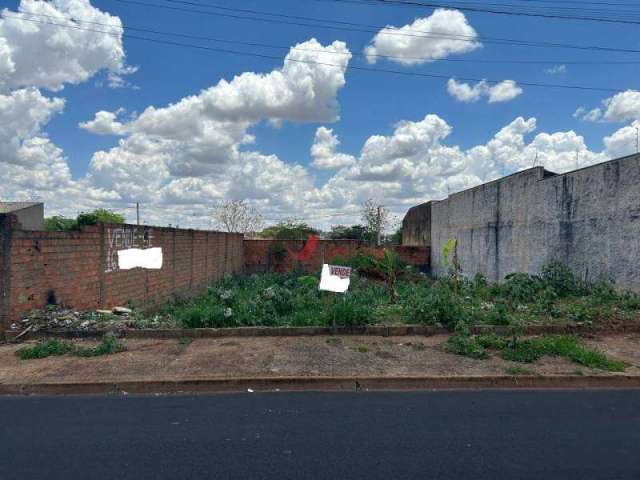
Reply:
x=346, y=384
x=374, y=330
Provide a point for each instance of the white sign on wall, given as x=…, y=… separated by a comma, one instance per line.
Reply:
x=140, y=258
x=335, y=278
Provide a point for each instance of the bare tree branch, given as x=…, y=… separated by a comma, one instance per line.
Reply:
x=238, y=216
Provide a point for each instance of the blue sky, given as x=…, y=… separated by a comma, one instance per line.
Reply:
x=370, y=103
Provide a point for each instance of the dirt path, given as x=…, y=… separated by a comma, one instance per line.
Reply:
x=291, y=356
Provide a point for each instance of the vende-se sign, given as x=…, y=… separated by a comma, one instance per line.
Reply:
x=335, y=278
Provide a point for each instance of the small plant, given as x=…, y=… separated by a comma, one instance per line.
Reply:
x=363, y=349
x=184, y=342
x=388, y=267
x=467, y=345
x=463, y=343
x=450, y=260
x=108, y=346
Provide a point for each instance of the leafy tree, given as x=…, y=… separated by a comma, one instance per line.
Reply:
x=354, y=232
x=238, y=216
x=100, y=215
x=289, y=230
x=58, y=223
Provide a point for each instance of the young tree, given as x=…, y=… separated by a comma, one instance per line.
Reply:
x=238, y=216
x=376, y=218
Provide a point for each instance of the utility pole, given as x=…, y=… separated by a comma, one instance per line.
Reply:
x=138, y=212
x=535, y=160
x=379, y=226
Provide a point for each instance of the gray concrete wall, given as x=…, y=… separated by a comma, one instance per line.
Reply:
x=31, y=218
x=588, y=219
x=416, y=226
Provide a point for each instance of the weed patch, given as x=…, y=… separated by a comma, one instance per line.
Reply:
x=108, y=346
x=531, y=350
x=386, y=292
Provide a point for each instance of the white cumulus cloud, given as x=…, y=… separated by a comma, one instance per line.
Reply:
x=443, y=33
x=323, y=150
x=36, y=53
x=500, y=92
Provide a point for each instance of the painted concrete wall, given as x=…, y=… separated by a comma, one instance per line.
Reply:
x=588, y=219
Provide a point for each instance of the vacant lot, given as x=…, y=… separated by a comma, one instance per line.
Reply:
x=379, y=294
x=286, y=299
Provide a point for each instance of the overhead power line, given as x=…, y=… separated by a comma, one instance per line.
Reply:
x=310, y=62
x=360, y=55
x=499, y=11
x=546, y=6
x=297, y=20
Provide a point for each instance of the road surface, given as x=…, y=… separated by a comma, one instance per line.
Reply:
x=422, y=435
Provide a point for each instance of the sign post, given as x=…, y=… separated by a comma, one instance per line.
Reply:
x=335, y=278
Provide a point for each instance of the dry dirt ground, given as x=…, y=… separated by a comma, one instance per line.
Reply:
x=291, y=356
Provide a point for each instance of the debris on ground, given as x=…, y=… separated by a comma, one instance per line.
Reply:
x=57, y=318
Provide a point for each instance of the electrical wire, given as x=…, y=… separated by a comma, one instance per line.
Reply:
x=310, y=62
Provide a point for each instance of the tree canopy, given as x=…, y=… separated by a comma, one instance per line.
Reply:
x=289, y=230
x=100, y=215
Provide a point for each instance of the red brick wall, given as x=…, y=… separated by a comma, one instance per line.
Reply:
x=261, y=255
x=79, y=269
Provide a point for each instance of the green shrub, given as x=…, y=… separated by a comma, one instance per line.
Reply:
x=436, y=305
x=603, y=291
x=630, y=301
x=559, y=276
x=520, y=288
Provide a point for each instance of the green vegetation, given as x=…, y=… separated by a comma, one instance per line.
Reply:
x=531, y=349
x=384, y=290
x=109, y=345
x=61, y=224
x=289, y=230
x=278, y=300
x=101, y=215
x=354, y=232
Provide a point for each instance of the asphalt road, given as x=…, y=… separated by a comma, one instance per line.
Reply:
x=429, y=435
